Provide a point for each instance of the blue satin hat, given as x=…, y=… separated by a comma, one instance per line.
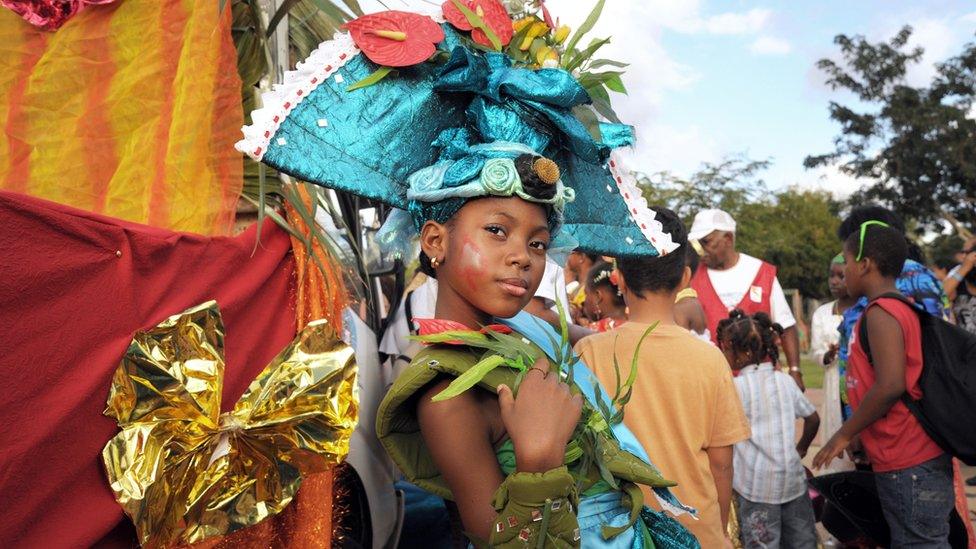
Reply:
x=371, y=140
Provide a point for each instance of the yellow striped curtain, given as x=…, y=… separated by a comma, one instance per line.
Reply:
x=131, y=109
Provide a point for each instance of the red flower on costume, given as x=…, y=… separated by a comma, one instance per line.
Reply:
x=431, y=326
x=396, y=38
x=492, y=12
x=546, y=16
x=49, y=15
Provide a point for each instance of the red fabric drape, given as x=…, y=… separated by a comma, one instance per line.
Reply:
x=74, y=287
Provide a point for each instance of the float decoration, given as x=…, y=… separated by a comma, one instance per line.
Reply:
x=183, y=471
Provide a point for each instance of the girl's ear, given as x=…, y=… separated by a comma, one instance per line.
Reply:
x=433, y=240
x=685, y=278
x=865, y=265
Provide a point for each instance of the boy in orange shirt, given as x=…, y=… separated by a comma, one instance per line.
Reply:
x=684, y=409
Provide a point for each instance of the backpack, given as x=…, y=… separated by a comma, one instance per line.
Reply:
x=947, y=409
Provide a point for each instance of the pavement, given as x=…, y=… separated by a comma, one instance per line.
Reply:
x=816, y=397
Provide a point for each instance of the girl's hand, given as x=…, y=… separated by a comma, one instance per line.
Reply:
x=831, y=354
x=540, y=419
x=834, y=448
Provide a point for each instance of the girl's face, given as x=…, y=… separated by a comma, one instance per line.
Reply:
x=836, y=281
x=493, y=256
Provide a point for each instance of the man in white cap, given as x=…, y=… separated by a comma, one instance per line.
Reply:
x=734, y=280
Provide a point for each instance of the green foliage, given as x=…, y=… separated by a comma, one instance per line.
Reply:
x=374, y=77
x=477, y=22
x=793, y=229
x=470, y=378
x=917, y=142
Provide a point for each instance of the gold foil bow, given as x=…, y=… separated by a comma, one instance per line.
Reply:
x=183, y=471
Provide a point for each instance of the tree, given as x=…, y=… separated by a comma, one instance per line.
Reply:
x=730, y=185
x=917, y=143
x=793, y=229
x=941, y=251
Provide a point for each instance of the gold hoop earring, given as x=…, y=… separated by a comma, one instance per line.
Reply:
x=435, y=262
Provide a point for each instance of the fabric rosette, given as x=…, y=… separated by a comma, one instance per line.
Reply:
x=499, y=177
x=183, y=471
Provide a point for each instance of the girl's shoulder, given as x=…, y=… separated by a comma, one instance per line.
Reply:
x=397, y=426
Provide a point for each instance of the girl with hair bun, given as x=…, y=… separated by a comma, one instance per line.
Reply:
x=604, y=303
x=769, y=480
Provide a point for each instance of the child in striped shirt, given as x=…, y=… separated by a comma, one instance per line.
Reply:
x=769, y=480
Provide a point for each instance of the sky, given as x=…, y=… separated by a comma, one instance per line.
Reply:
x=714, y=78
x=708, y=79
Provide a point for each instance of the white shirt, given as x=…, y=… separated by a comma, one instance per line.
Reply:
x=732, y=284
x=553, y=287
x=395, y=340
x=766, y=468
x=823, y=334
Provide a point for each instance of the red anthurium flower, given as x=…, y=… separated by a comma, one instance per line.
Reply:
x=492, y=12
x=396, y=38
x=546, y=16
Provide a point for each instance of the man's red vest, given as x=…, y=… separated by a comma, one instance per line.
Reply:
x=756, y=298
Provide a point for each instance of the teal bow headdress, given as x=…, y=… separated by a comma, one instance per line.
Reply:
x=423, y=140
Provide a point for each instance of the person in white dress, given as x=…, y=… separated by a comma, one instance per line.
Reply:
x=824, y=338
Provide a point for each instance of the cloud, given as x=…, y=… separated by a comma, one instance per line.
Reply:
x=969, y=17
x=636, y=29
x=749, y=22
x=832, y=180
x=677, y=149
x=686, y=17
x=770, y=45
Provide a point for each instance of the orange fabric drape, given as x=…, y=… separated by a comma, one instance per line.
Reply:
x=130, y=109
x=307, y=523
x=321, y=293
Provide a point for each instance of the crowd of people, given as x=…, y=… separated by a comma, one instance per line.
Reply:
x=719, y=389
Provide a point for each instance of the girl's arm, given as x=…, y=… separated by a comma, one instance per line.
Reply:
x=889, y=383
x=458, y=435
x=811, y=424
x=532, y=503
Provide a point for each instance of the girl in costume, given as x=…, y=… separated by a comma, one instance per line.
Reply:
x=603, y=299
x=824, y=346
x=483, y=160
x=517, y=471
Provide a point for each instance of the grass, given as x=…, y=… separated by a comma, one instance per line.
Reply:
x=812, y=374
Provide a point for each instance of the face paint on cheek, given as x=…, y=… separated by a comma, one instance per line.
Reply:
x=471, y=265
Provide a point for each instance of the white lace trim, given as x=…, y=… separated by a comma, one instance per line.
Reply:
x=642, y=216
x=320, y=65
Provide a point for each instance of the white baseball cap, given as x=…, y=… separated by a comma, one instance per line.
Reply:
x=707, y=221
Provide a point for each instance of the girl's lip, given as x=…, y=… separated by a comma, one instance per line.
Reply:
x=514, y=288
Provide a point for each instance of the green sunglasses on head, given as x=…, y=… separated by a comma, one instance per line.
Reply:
x=864, y=231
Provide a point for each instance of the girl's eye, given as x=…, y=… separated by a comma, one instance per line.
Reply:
x=540, y=245
x=495, y=230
